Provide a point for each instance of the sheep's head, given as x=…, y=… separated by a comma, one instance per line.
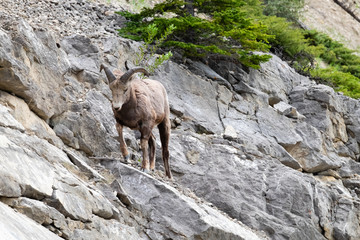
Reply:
x=120, y=93
x=120, y=86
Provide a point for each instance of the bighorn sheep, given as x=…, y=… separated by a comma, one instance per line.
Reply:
x=141, y=104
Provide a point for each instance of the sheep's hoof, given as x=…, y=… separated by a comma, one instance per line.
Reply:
x=127, y=158
x=145, y=170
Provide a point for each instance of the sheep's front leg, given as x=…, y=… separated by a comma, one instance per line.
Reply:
x=144, y=144
x=123, y=146
x=145, y=152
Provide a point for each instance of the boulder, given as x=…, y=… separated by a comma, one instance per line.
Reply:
x=37, y=211
x=204, y=70
x=230, y=133
x=351, y=118
x=275, y=78
x=83, y=55
x=288, y=110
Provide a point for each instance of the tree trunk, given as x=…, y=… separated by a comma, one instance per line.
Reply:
x=189, y=7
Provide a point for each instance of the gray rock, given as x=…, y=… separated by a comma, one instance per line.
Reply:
x=224, y=99
x=325, y=94
x=205, y=71
x=7, y=120
x=30, y=122
x=345, y=212
x=33, y=168
x=80, y=162
x=78, y=45
x=309, y=152
x=82, y=54
x=96, y=111
x=349, y=168
x=250, y=174
x=248, y=190
x=73, y=199
x=20, y=175
x=274, y=125
x=262, y=99
x=34, y=82
x=322, y=109
x=275, y=78
x=108, y=229
x=352, y=117
x=195, y=99
x=37, y=211
x=15, y=226
x=66, y=136
x=288, y=110
x=230, y=133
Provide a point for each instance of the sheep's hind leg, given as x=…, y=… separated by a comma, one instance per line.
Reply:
x=123, y=146
x=152, y=148
x=164, y=130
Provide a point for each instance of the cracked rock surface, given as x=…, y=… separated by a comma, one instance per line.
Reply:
x=255, y=154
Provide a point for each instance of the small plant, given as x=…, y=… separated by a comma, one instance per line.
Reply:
x=145, y=57
x=147, y=52
x=138, y=5
x=289, y=9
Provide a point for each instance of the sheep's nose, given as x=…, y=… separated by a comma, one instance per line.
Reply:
x=116, y=108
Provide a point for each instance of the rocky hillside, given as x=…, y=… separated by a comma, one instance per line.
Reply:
x=259, y=154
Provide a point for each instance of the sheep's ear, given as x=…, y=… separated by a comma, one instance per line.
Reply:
x=110, y=76
x=126, y=77
x=127, y=65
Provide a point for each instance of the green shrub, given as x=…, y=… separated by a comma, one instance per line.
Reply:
x=301, y=48
x=227, y=31
x=335, y=54
x=290, y=43
x=237, y=28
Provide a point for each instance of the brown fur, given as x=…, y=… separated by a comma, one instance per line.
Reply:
x=141, y=104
